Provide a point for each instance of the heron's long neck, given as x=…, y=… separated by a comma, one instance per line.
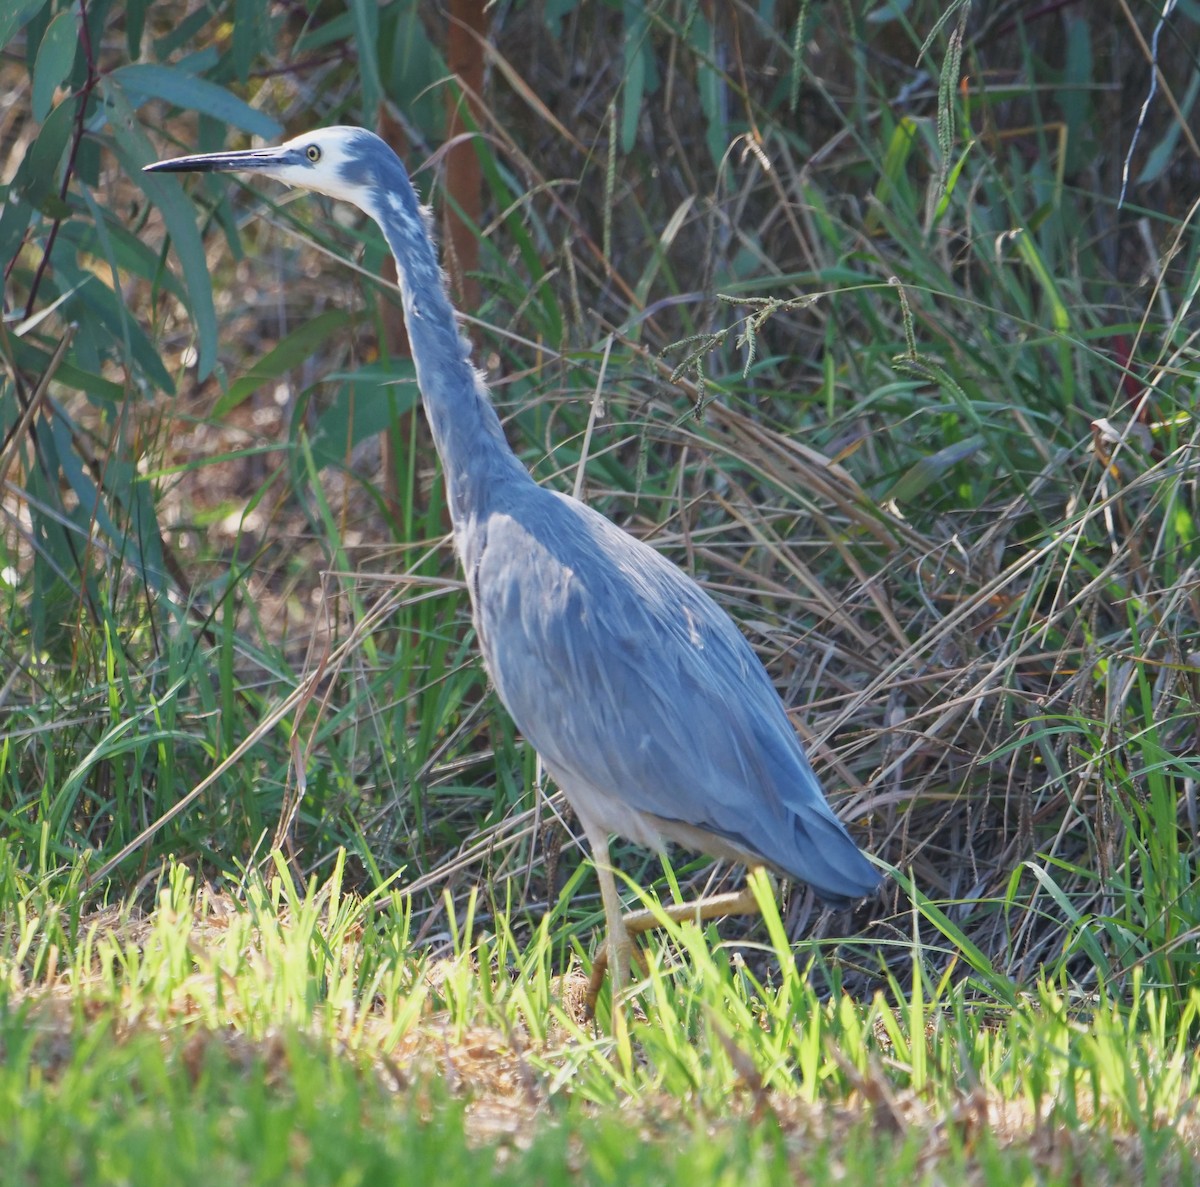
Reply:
x=466, y=429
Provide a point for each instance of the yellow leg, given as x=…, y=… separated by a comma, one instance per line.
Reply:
x=715, y=906
x=619, y=947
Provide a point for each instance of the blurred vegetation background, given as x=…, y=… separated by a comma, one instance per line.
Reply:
x=880, y=319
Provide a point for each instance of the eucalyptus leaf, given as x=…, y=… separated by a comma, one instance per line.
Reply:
x=98, y=306
x=36, y=174
x=14, y=15
x=55, y=58
x=133, y=150
x=129, y=253
x=142, y=81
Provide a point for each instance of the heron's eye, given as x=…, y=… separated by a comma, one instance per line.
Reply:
x=313, y=153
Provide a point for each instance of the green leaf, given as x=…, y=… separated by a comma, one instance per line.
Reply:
x=184, y=32
x=133, y=151
x=367, y=403
x=87, y=498
x=996, y=981
x=14, y=221
x=336, y=29
x=32, y=358
x=636, y=44
x=55, y=57
x=1165, y=152
x=1027, y=249
x=290, y=352
x=35, y=179
x=890, y=10
x=710, y=87
x=248, y=21
x=952, y=182
x=55, y=603
x=112, y=313
x=135, y=26
x=143, y=81
x=1075, y=97
x=138, y=540
x=100, y=308
x=129, y=253
x=412, y=69
x=931, y=469
x=505, y=199
x=893, y=178
x=14, y=16
x=366, y=29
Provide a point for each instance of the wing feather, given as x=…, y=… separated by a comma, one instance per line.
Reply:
x=642, y=696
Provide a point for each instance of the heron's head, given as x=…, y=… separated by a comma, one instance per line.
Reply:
x=341, y=162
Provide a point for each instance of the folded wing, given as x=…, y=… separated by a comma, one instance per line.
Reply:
x=642, y=697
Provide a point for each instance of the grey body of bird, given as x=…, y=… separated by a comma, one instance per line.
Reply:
x=647, y=705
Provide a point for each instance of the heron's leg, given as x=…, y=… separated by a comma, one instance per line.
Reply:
x=714, y=906
x=618, y=948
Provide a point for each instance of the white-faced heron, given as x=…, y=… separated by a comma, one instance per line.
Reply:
x=648, y=707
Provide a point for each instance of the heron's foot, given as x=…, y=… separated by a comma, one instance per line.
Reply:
x=627, y=953
x=619, y=950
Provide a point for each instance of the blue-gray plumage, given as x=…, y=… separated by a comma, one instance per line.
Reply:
x=646, y=704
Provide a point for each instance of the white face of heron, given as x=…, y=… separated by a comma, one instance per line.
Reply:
x=350, y=164
x=325, y=160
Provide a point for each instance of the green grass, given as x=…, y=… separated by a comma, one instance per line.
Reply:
x=280, y=1034
x=141, y=1110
